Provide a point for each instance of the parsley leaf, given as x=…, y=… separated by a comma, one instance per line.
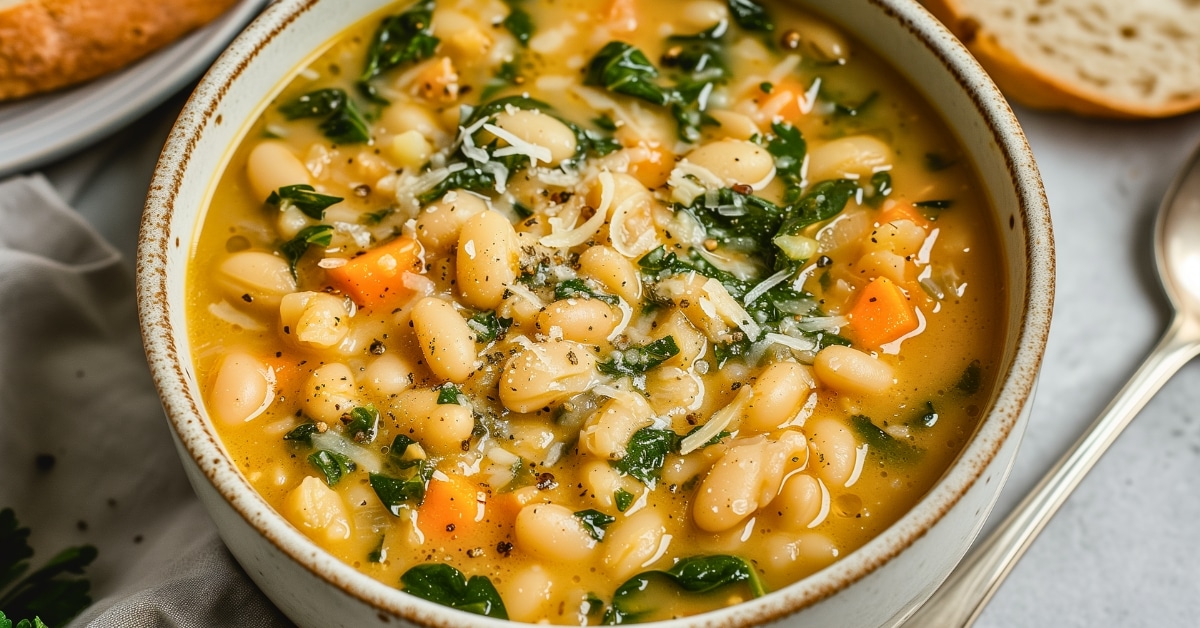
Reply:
x=364, y=424
x=316, y=104
x=448, y=394
x=405, y=480
x=445, y=585
x=488, y=327
x=400, y=39
x=928, y=417
x=303, y=433
x=623, y=69
x=344, y=123
x=882, y=183
x=595, y=522
x=56, y=592
x=637, y=360
x=303, y=197
x=883, y=444
x=347, y=125
x=294, y=249
x=938, y=204
x=646, y=454
x=573, y=288
x=971, y=380
x=623, y=499
x=820, y=203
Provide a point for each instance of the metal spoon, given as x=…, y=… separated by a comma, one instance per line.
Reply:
x=962, y=597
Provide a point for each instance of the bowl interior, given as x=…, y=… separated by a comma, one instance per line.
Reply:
x=281, y=41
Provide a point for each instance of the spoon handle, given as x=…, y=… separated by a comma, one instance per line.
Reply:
x=962, y=597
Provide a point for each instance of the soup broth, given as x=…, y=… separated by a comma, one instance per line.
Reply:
x=595, y=311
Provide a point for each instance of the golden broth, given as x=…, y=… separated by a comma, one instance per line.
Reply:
x=578, y=412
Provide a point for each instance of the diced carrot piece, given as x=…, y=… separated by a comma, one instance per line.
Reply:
x=376, y=278
x=452, y=507
x=654, y=166
x=882, y=314
x=903, y=211
x=783, y=100
x=287, y=373
x=622, y=16
x=438, y=81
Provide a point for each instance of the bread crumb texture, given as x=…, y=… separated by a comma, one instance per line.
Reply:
x=1110, y=58
x=50, y=44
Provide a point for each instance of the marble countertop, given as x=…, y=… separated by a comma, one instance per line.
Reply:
x=1123, y=551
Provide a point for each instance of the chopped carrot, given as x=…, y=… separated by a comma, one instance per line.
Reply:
x=622, y=16
x=882, y=314
x=376, y=278
x=438, y=81
x=505, y=506
x=784, y=100
x=288, y=375
x=903, y=211
x=452, y=507
x=651, y=164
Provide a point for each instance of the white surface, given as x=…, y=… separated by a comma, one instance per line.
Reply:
x=1125, y=550
x=36, y=130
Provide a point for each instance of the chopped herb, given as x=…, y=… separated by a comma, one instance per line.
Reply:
x=605, y=123
x=317, y=104
x=697, y=574
x=294, y=249
x=488, y=327
x=637, y=360
x=971, y=380
x=827, y=339
x=788, y=147
x=740, y=222
x=378, y=554
x=519, y=22
x=470, y=179
x=623, y=69
x=442, y=584
x=507, y=74
x=883, y=444
x=766, y=87
x=882, y=183
x=347, y=126
x=600, y=144
x=364, y=424
x=925, y=418
x=594, y=603
x=724, y=351
x=407, y=480
x=404, y=38
x=303, y=197
x=820, y=203
x=700, y=59
x=521, y=210
x=623, y=499
x=376, y=217
x=57, y=591
x=750, y=15
x=935, y=162
x=646, y=454
x=522, y=476
x=853, y=111
x=303, y=433
x=332, y=464
x=938, y=204
x=448, y=394
x=595, y=522
x=573, y=288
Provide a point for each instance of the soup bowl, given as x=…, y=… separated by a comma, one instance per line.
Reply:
x=879, y=584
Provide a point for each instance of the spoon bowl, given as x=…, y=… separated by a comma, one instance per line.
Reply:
x=1177, y=241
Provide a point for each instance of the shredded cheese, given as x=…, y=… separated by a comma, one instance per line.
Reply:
x=584, y=232
x=518, y=146
x=720, y=420
x=730, y=310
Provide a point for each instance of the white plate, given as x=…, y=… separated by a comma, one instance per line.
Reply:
x=36, y=130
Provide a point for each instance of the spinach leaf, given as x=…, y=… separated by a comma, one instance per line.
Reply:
x=519, y=22
x=578, y=288
x=303, y=197
x=659, y=264
x=316, y=104
x=470, y=179
x=971, y=380
x=750, y=15
x=639, y=359
x=488, y=327
x=925, y=418
x=739, y=222
x=364, y=424
x=696, y=574
x=788, y=147
x=623, y=499
x=820, y=203
x=445, y=585
x=853, y=111
x=700, y=59
x=883, y=444
x=376, y=217
x=595, y=522
x=507, y=74
x=294, y=249
x=406, y=480
x=621, y=68
x=303, y=433
x=936, y=161
x=347, y=125
x=332, y=464
x=939, y=204
x=403, y=38
x=646, y=454
x=57, y=591
x=448, y=394
x=725, y=351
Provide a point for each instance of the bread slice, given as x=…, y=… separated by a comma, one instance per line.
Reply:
x=1108, y=58
x=49, y=44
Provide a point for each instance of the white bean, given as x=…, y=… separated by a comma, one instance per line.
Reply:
x=553, y=533
x=588, y=321
x=545, y=374
x=541, y=129
x=315, y=319
x=241, y=389
x=632, y=543
x=439, y=225
x=746, y=478
x=527, y=594
x=389, y=374
x=330, y=392
x=318, y=511
x=848, y=370
x=735, y=161
x=856, y=157
x=778, y=393
x=447, y=343
x=799, y=501
x=487, y=259
x=272, y=165
x=833, y=455
x=608, y=430
x=615, y=271
x=255, y=277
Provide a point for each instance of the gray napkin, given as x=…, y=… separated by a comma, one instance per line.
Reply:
x=85, y=454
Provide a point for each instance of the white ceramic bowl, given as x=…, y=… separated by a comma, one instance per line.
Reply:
x=877, y=585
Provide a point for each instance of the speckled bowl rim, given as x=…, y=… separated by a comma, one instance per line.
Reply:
x=192, y=430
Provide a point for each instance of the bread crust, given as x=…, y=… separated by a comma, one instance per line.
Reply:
x=50, y=44
x=1032, y=86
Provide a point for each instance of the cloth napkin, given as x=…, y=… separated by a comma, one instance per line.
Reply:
x=85, y=453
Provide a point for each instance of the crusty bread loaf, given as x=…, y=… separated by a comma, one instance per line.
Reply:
x=48, y=44
x=1110, y=58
